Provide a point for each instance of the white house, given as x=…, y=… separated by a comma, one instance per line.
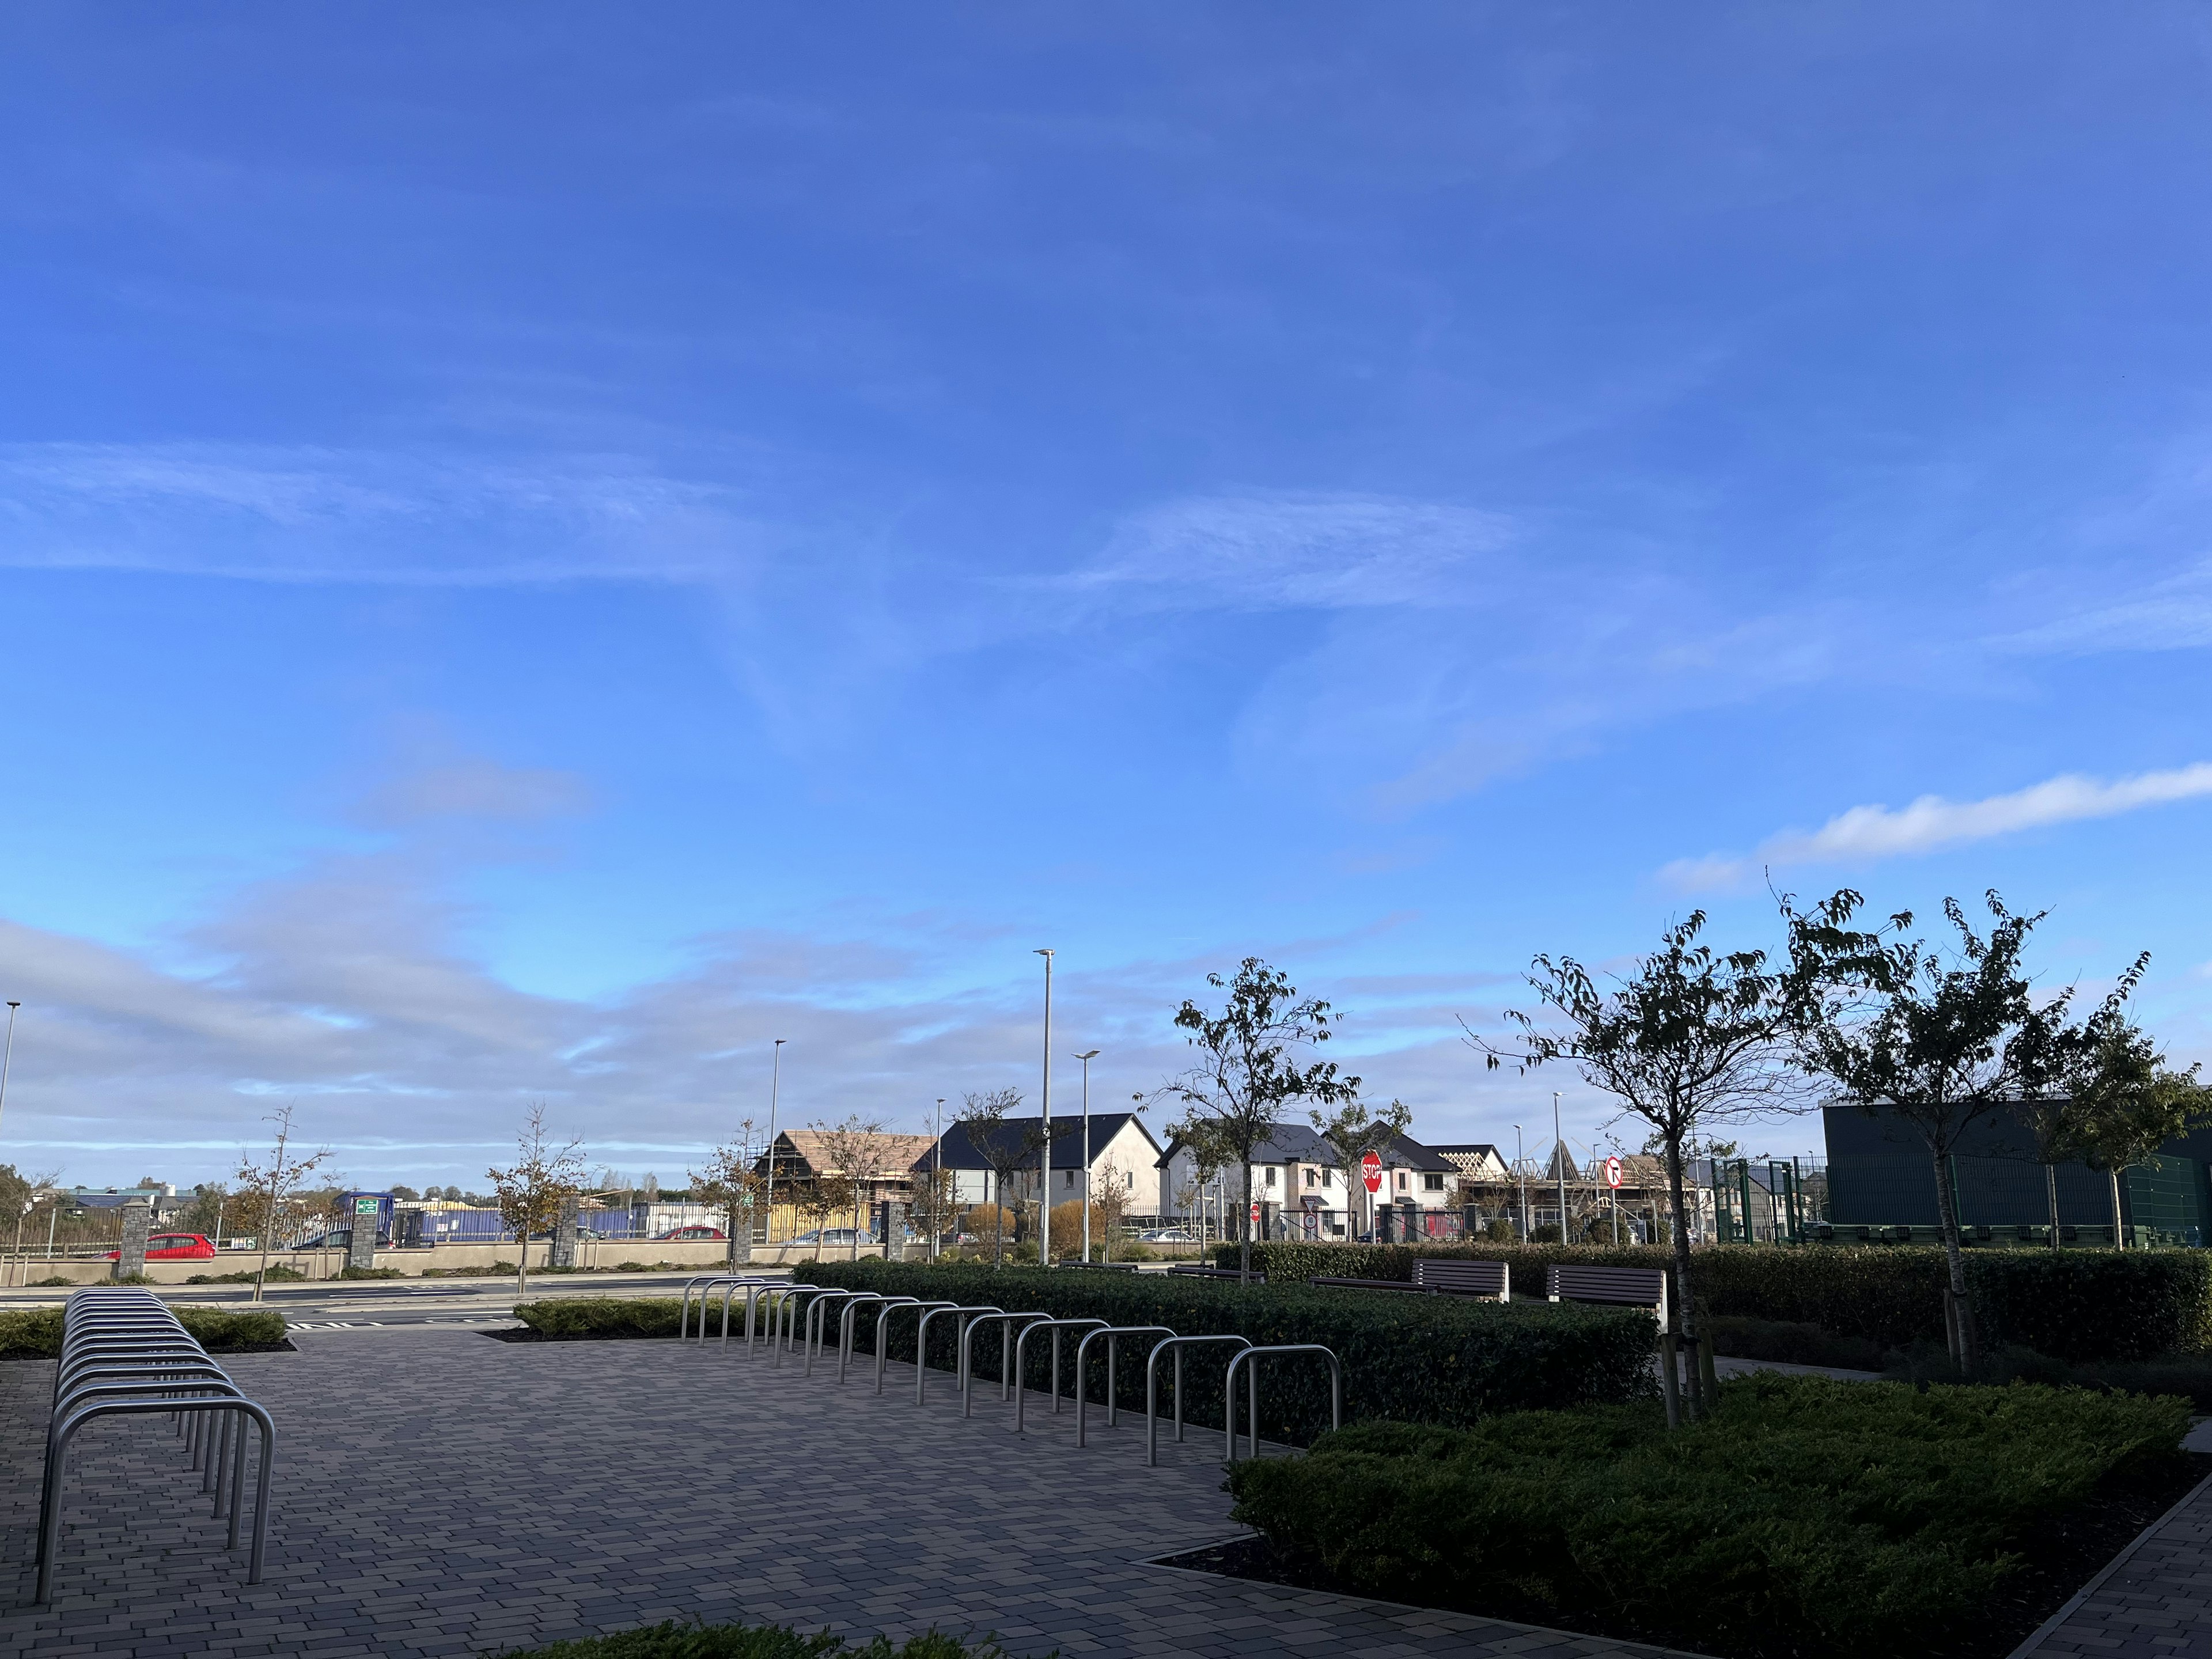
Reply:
x=1123, y=1152
x=1296, y=1171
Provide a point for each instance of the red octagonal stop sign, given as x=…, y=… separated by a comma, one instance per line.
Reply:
x=1370, y=1170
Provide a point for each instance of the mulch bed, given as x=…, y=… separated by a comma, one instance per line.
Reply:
x=2058, y=1562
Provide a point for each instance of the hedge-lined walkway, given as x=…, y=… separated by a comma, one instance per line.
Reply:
x=2155, y=1603
x=448, y=1494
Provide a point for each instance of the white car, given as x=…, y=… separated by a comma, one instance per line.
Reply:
x=1168, y=1236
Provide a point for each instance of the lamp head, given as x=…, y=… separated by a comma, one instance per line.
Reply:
x=1088, y=1054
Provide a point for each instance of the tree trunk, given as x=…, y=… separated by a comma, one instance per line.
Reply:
x=522, y=1263
x=2050, y=1187
x=1680, y=1315
x=2119, y=1238
x=1244, y=1215
x=1966, y=1350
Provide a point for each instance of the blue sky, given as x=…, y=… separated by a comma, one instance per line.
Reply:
x=545, y=547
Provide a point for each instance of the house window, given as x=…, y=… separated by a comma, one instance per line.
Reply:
x=1129, y=1181
x=1271, y=1175
x=1312, y=1178
x=1401, y=1181
x=1327, y=1177
x=1067, y=1178
x=1432, y=1183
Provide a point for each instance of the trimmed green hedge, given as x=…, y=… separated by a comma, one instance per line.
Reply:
x=2076, y=1305
x=1420, y=1359
x=1806, y=1517
x=600, y=1318
x=36, y=1333
x=675, y=1641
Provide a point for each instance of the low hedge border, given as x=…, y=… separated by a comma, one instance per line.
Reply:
x=1425, y=1359
x=36, y=1333
x=2075, y=1305
x=601, y=1318
x=1808, y=1517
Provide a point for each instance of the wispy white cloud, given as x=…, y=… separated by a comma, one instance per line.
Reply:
x=1292, y=552
x=2173, y=614
x=1930, y=823
x=307, y=514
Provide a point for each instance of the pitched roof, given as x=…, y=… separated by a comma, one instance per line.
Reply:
x=1472, y=1157
x=964, y=1145
x=1293, y=1144
x=894, y=1154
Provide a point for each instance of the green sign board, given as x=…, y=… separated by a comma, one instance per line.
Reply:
x=366, y=1205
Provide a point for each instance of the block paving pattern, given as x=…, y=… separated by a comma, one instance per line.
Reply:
x=441, y=1493
x=2155, y=1604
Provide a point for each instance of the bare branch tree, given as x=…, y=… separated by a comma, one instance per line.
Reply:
x=855, y=1149
x=275, y=1191
x=729, y=1183
x=531, y=1188
x=1005, y=1147
x=1352, y=1131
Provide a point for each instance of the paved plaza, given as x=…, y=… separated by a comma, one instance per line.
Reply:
x=443, y=1494
x=2155, y=1603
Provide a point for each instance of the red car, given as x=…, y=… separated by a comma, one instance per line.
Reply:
x=175, y=1247
x=692, y=1232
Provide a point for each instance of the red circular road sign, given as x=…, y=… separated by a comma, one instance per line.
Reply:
x=1613, y=1172
x=1370, y=1170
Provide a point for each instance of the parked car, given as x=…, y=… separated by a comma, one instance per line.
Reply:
x=834, y=1236
x=1168, y=1236
x=173, y=1247
x=338, y=1239
x=692, y=1232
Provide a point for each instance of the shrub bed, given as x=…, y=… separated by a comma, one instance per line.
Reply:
x=675, y=1641
x=601, y=1318
x=1806, y=1517
x=2071, y=1304
x=36, y=1333
x=1423, y=1359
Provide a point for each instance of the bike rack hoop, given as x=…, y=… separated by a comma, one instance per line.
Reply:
x=1113, y=1334
x=1055, y=1325
x=961, y=1316
x=883, y=1338
x=1252, y=1384
x=1177, y=1345
x=965, y=1370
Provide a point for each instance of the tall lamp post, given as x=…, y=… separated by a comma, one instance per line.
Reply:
x=1086, y=1057
x=1521, y=1170
x=937, y=1177
x=1559, y=1164
x=774, y=1088
x=7, y=1057
x=1044, y=1152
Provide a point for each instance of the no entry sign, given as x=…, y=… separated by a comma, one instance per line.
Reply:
x=1613, y=1172
x=1370, y=1170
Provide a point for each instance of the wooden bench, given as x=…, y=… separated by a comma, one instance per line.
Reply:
x=1631, y=1287
x=1256, y=1276
x=1492, y=1281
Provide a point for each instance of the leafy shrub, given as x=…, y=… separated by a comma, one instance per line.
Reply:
x=279, y=1274
x=50, y=1284
x=2074, y=1304
x=369, y=1273
x=601, y=1318
x=1420, y=1359
x=36, y=1333
x=631, y=1268
x=1808, y=1516
x=491, y=1270
x=675, y=1641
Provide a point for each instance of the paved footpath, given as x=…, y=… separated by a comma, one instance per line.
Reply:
x=442, y=1493
x=2154, y=1602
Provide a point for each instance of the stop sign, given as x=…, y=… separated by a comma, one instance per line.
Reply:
x=1370, y=1170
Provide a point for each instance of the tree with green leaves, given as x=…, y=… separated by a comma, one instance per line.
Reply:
x=1252, y=1067
x=531, y=1188
x=731, y=1185
x=1943, y=1036
x=275, y=1193
x=2127, y=1102
x=1353, y=1130
x=1689, y=1040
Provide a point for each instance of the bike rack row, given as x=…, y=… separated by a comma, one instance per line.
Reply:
x=799, y=1313
x=124, y=1353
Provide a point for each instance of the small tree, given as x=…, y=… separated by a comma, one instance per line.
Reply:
x=855, y=1149
x=729, y=1184
x=1689, y=1040
x=934, y=1210
x=1109, y=1202
x=275, y=1193
x=531, y=1188
x=1249, y=1071
x=1004, y=1144
x=1352, y=1131
x=1945, y=1038
x=2128, y=1103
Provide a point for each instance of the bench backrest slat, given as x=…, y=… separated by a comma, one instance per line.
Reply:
x=1635, y=1287
x=1494, y=1279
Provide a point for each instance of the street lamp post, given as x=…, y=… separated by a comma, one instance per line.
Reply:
x=1044, y=1152
x=7, y=1057
x=937, y=1177
x=1086, y=1057
x=1521, y=1172
x=775, y=1089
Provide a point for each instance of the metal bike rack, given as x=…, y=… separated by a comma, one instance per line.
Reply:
x=788, y=1312
x=1055, y=1325
x=124, y=1353
x=770, y=1289
x=1005, y=1354
x=845, y=1323
x=1151, y=1385
x=1113, y=1334
x=961, y=1316
x=730, y=1288
x=883, y=1340
x=818, y=1324
x=705, y=1285
x=1252, y=1383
